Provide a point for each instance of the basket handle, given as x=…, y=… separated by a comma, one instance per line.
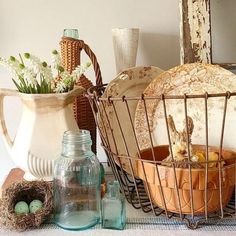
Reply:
x=83, y=46
x=93, y=58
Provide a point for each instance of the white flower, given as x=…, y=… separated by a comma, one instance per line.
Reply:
x=65, y=83
x=29, y=76
x=60, y=87
x=79, y=70
x=56, y=59
x=34, y=63
x=12, y=65
x=46, y=72
x=65, y=75
x=39, y=67
x=34, y=76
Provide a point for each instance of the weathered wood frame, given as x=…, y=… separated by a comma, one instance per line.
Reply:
x=195, y=33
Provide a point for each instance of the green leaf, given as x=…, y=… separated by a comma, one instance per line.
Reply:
x=31, y=88
x=37, y=87
x=22, y=81
x=17, y=85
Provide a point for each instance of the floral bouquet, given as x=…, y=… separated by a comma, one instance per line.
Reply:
x=31, y=75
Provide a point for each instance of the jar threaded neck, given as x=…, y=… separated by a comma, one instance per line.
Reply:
x=77, y=137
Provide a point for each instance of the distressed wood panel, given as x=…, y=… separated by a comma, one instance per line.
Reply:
x=195, y=31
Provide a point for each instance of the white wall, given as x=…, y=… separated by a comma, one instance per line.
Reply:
x=36, y=26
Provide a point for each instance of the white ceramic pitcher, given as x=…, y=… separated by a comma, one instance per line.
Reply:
x=44, y=119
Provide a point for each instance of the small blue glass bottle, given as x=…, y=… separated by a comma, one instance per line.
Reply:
x=77, y=196
x=113, y=207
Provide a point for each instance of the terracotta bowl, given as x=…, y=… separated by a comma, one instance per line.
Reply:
x=167, y=181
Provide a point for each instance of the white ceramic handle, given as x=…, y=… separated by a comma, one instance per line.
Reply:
x=3, y=128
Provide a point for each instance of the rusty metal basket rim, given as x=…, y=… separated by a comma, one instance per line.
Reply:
x=92, y=92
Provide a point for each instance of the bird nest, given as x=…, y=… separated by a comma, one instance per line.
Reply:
x=25, y=191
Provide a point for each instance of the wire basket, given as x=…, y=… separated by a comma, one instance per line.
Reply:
x=191, y=194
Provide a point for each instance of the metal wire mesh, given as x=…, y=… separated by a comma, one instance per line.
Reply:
x=192, y=195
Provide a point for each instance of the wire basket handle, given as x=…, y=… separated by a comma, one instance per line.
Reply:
x=71, y=49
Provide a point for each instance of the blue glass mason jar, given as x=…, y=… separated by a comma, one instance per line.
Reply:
x=76, y=183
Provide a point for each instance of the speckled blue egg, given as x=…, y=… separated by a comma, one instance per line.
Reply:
x=35, y=205
x=21, y=208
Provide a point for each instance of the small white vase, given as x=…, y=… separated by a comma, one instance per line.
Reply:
x=125, y=43
x=38, y=140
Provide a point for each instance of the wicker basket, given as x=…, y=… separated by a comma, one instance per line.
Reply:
x=71, y=51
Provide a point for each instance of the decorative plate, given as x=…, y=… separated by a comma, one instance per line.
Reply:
x=189, y=79
x=129, y=83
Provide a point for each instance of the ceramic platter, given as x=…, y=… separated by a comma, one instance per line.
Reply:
x=189, y=79
x=129, y=83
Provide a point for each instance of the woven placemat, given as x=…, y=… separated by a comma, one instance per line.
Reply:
x=136, y=219
x=153, y=224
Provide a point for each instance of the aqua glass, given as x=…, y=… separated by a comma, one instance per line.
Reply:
x=113, y=207
x=71, y=33
x=76, y=183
